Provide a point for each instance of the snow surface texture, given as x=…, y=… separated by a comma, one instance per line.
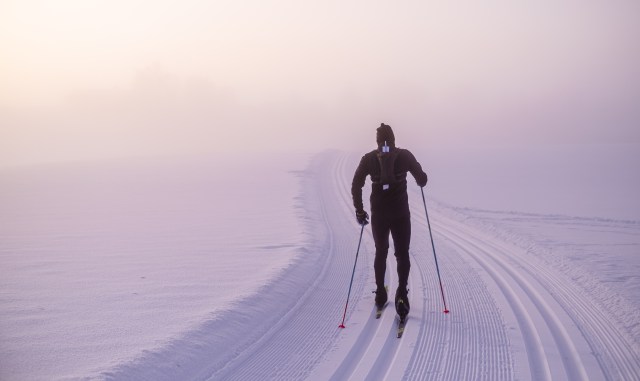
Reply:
x=189, y=272
x=100, y=262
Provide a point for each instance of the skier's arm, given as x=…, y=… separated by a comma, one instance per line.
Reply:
x=416, y=171
x=359, y=179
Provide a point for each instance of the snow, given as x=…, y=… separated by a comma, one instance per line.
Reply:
x=231, y=267
x=100, y=261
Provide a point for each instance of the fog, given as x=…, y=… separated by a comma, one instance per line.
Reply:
x=86, y=80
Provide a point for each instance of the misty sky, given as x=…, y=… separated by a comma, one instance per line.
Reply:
x=84, y=79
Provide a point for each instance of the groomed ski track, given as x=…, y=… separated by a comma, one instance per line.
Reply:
x=512, y=317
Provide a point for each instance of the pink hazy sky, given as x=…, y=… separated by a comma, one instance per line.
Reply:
x=84, y=79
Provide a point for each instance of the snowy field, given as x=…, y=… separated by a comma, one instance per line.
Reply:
x=103, y=261
x=238, y=269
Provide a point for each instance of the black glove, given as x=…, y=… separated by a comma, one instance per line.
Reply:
x=362, y=217
x=422, y=181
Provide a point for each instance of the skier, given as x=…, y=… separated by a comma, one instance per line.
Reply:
x=388, y=167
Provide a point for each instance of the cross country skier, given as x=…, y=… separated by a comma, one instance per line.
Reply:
x=388, y=167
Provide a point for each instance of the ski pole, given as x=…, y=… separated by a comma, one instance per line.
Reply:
x=351, y=282
x=446, y=311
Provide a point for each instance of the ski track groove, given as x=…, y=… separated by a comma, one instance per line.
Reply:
x=535, y=351
x=449, y=336
x=620, y=360
x=437, y=335
x=268, y=358
x=584, y=313
x=580, y=310
x=571, y=360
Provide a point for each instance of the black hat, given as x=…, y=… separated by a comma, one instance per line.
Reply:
x=385, y=134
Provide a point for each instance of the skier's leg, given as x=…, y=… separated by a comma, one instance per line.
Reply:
x=401, y=233
x=380, y=230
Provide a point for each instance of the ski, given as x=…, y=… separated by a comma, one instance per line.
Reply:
x=379, y=310
x=401, y=324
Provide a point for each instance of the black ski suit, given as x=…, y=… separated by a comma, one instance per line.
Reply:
x=389, y=209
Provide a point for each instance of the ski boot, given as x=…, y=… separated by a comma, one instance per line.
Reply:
x=381, y=297
x=402, y=303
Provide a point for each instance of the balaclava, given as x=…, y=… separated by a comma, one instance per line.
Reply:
x=385, y=133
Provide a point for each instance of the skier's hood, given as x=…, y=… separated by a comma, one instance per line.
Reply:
x=384, y=133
